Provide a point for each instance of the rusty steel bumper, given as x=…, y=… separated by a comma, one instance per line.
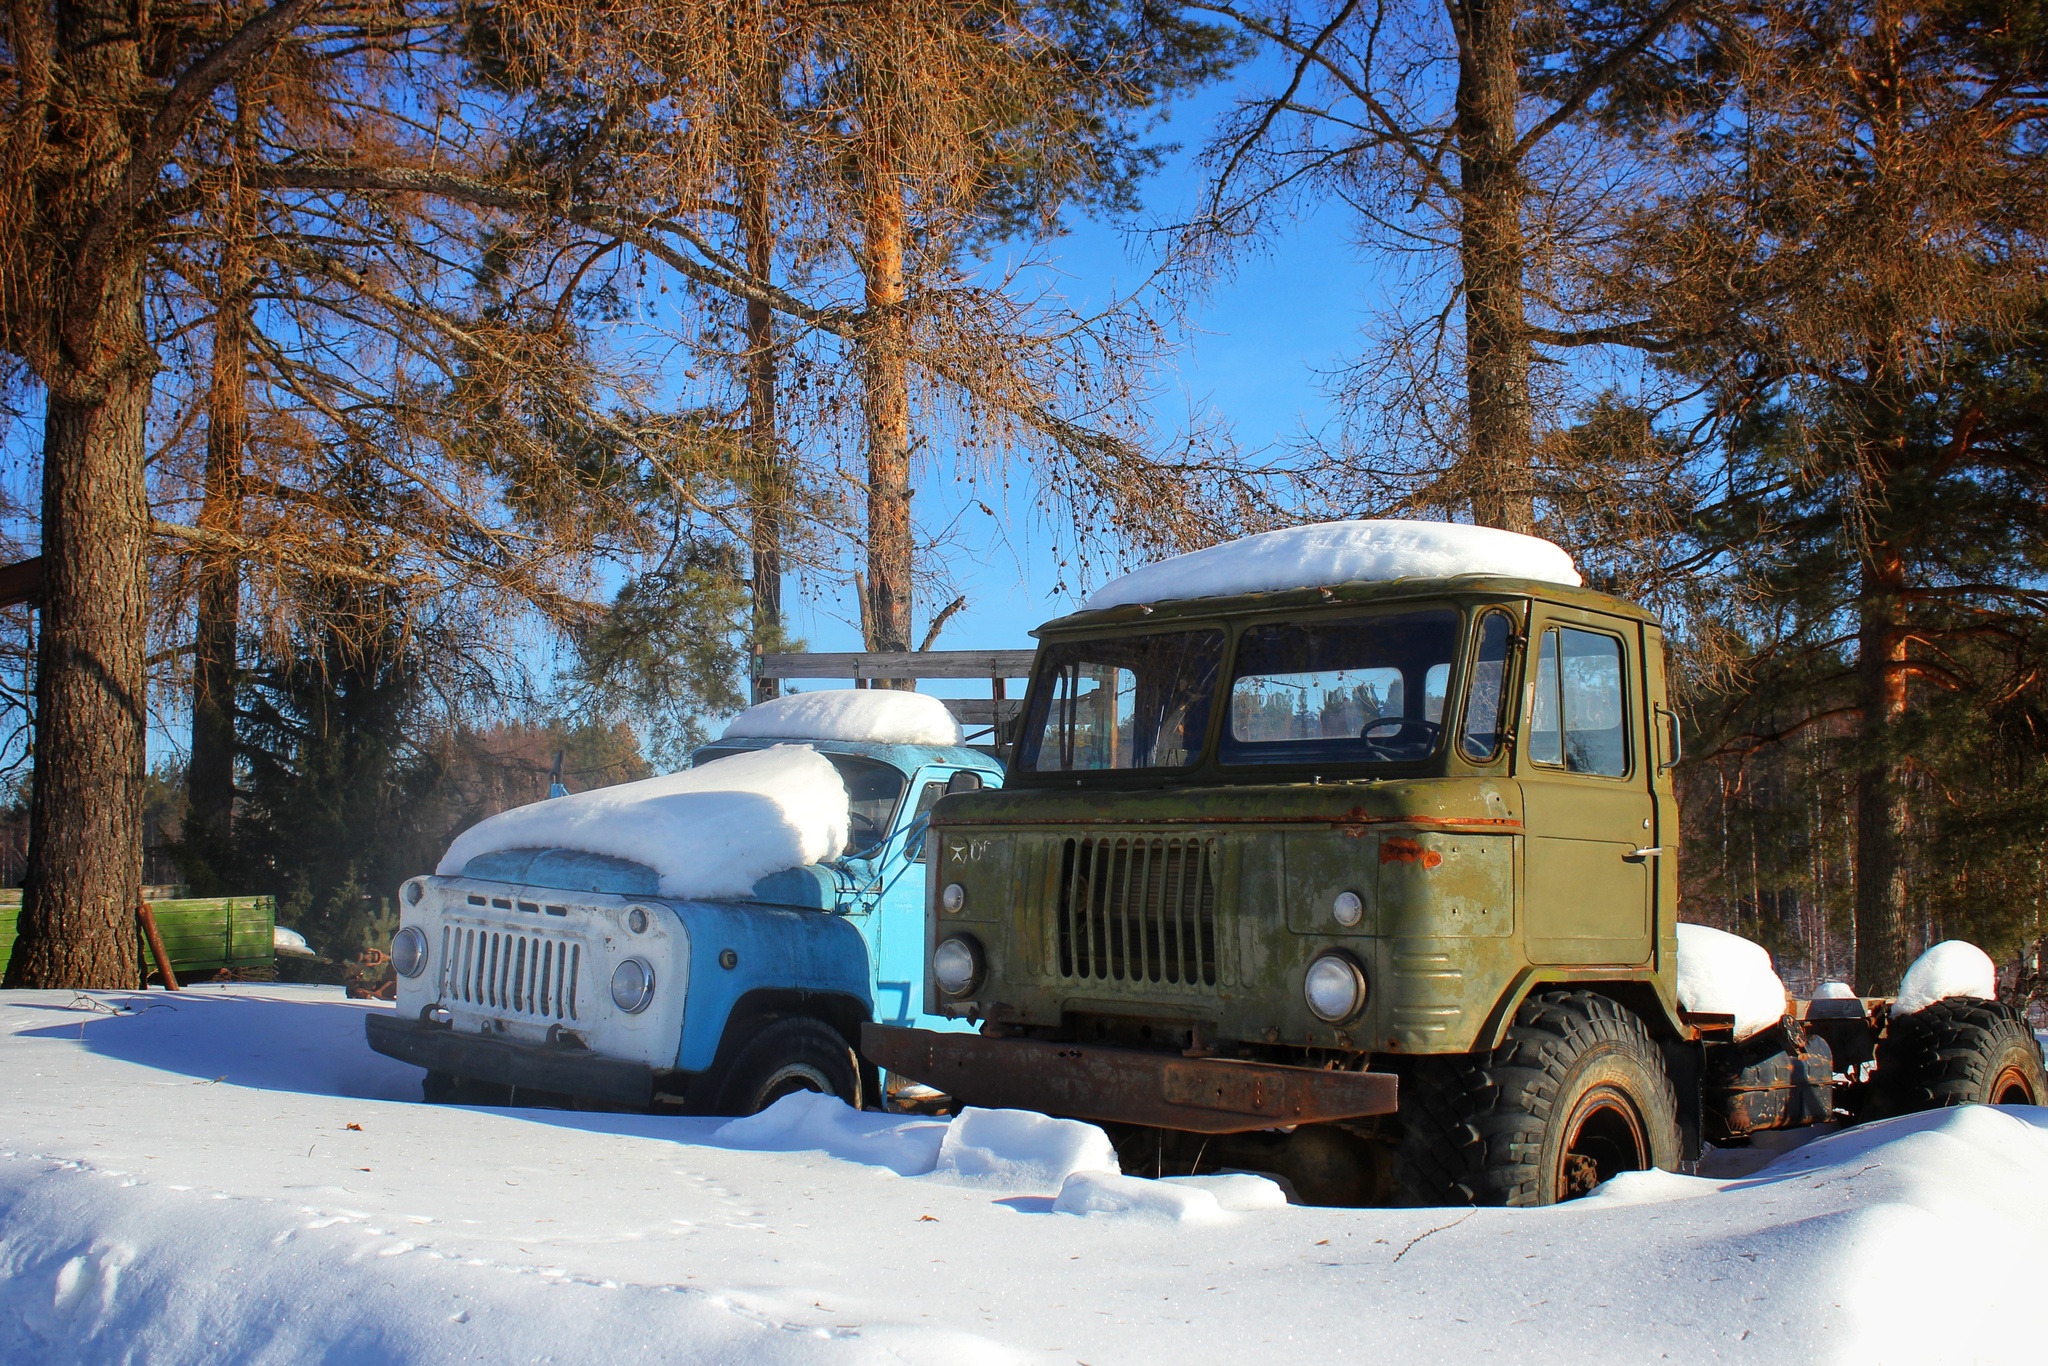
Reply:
x=1126, y=1085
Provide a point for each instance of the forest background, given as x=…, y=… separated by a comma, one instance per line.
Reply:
x=403, y=394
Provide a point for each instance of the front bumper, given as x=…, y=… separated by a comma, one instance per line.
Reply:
x=1127, y=1085
x=574, y=1072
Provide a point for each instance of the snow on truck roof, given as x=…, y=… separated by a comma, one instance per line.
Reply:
x=882, y=716
x=1326, y=553
x=713, y=830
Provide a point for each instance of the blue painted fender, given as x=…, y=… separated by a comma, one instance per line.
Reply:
x=770, y=948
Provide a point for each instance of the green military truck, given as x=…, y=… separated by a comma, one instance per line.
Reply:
x=1312, y=864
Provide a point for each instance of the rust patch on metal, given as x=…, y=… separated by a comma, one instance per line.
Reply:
x=1131, y=1085
x=1398, y=850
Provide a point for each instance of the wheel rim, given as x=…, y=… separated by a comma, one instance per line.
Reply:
x=790, y=1079
x=2013, y=1086
x=1604, y=1136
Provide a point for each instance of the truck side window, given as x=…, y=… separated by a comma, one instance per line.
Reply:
x=927, y=798
x=1486, y=701
x=1579, y=717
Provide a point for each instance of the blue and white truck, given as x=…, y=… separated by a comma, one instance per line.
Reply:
x=708, y=941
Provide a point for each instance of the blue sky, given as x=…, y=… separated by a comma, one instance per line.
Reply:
x=1252, y=359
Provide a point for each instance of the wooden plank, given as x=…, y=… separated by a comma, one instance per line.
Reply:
x=864, y=664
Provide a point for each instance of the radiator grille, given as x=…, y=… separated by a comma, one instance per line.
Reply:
x=1138, y=909
x=534, y=975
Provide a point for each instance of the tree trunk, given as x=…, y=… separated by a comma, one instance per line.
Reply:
x=210, y=773
x=1880, y=795
x=1497, y=475
x=85, y=817
x=770, y=492
x=885, y=363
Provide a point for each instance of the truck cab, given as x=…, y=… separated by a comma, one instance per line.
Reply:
x=553, y=975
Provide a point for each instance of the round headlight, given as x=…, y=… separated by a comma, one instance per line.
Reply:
x=1335, y=988
x=636, y=920
x=953, y=898
x=414, y=890
x=1348, y=909
x=956, y=966
x=632, y=985
x=409, y=951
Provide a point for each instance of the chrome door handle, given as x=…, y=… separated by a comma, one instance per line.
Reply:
x=1651, y=852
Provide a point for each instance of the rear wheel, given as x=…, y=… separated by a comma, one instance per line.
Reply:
x=1961, y=1051
x=1575, y=1095
x=799, y=1054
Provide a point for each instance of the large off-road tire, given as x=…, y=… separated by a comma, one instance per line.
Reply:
x=796, y=1054
x=1577, y=1093
x=1961, y=1051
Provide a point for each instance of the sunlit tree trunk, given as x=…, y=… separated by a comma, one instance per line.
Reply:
x=886, y=383
x=770, y=481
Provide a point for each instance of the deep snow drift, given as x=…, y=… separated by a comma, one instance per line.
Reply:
x=229, y=1174
x=708, y=831
x=882, y=716
x=1325, y=553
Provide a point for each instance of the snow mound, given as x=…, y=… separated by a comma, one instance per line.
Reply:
x=1087, y=1193
x=708, y=831
x=1951, y=968
x=1237, y=1191
x=290, y=943
x=1834, y=991
x=879, y=715
x=1340, y=552
x=1724, y=974
x=1022, y=1151
x=808, y=1122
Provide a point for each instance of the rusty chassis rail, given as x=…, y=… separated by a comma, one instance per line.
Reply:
x=1127, y=1085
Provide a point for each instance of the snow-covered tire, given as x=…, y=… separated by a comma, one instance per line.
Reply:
x=1575, y=1094
x=791, y=1055
x=1960, y=1051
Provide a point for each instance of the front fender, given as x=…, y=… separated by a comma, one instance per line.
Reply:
x=768, y=949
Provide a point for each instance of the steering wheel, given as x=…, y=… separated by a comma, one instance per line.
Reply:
x=1391, y=735
x=861, y=832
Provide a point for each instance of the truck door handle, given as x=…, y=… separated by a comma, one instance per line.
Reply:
x=1650, y=852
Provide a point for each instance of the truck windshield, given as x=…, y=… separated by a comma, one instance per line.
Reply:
x=1357, y=690
x=872, y=790
x=1135, y=702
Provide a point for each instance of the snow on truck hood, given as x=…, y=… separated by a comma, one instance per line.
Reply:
x=880, y=716
x=1326, y=553
x=709, y=831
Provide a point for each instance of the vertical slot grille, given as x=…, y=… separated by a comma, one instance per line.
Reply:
x=522, y=974
x=1138, y=909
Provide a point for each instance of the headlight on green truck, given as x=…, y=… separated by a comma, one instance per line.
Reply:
x=1335, y=988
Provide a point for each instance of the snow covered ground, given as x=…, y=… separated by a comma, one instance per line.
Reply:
x=229, y=1174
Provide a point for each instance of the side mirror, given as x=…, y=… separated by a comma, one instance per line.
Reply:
x=966, y=780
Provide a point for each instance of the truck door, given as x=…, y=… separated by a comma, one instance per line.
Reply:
x=1587, y=807
x=899, y=919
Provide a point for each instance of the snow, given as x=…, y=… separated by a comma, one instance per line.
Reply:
x=880, y=715
x=1724, y=974
x=1328, y=553
x=1018, y=1150
x=229, y=1175
x=1834, y=991
x=1090, y=1193
x=290, y=943
x=1950, y=968
x=708, y=831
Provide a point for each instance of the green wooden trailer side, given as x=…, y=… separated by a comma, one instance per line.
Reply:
x=202, y=935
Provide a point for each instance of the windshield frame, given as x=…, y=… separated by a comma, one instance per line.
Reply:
x=1038, y=702
x=1442, y=759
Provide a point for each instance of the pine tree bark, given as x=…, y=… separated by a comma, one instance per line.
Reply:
x=885, y=359
x=770, y=483
x=1880, y=795
x=210, y=772
x=1492, y=252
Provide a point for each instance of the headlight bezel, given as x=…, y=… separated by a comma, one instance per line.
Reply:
x=976, y=965
x=409, y=945
x=628, y=1000
x=1340, y=968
